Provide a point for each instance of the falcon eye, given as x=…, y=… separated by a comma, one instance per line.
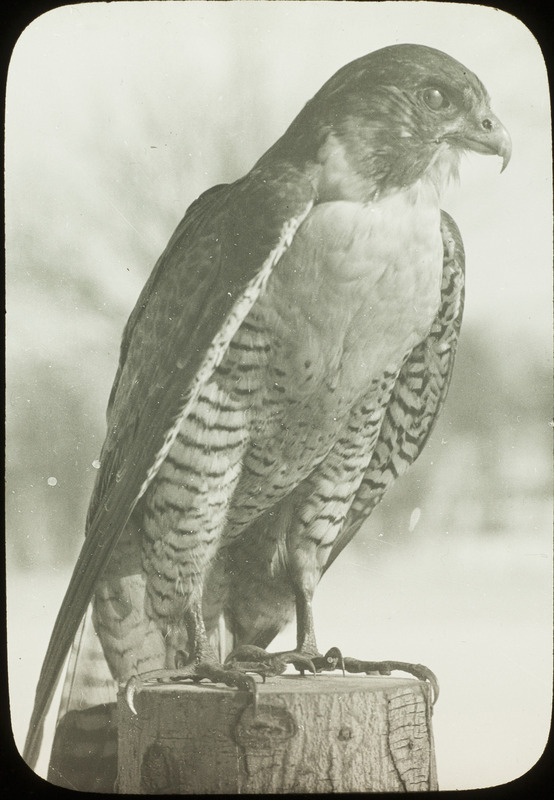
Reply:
x=435, y=99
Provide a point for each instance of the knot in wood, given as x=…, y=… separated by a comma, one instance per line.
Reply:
x=270, y=725
x=157, y=770
x=345, y=734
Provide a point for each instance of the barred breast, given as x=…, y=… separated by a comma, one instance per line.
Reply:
x=324, y=342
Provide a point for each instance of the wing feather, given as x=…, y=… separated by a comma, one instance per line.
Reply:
x=201, y=289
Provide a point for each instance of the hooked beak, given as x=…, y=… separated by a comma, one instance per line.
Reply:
x=486, y=135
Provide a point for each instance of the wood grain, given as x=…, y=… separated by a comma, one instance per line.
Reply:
x=323, y=734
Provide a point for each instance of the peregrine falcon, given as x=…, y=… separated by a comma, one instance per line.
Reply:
x=284, y=364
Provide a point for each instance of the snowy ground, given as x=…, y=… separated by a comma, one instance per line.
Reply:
x=477, y=610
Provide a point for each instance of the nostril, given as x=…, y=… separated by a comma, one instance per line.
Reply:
x=487, y=124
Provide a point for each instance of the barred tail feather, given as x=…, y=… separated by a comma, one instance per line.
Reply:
x=86, y=734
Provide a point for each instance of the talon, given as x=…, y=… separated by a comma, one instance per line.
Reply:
x=431, y=678
x=133, y=686
x=422, y=673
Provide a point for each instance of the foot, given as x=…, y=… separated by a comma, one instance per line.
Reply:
x=195, y=672
x=250, y=658
x=254, y=659
x=419, y=671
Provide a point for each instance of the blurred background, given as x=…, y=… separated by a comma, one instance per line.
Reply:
x=117, y=117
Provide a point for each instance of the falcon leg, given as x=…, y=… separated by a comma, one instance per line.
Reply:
x=320, y=513
x=333, y=659
x=305, y=635
x=305, y=656
x=203, y=666
x=305, y=632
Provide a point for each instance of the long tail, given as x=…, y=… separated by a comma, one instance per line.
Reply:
x=84, y=750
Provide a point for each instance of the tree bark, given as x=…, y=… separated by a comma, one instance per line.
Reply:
x=309, y=734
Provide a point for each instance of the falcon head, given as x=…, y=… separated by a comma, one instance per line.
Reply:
x=399, y=114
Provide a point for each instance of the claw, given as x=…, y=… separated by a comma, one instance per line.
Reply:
x=427, y=675
x=134, y=685
x=422, y=673
x=216, y=673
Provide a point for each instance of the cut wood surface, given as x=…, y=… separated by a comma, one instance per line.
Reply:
x=309, y=734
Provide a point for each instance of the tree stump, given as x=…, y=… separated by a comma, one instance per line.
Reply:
x=309, y=734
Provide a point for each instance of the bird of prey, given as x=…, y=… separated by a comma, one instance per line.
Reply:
x=284, y=364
